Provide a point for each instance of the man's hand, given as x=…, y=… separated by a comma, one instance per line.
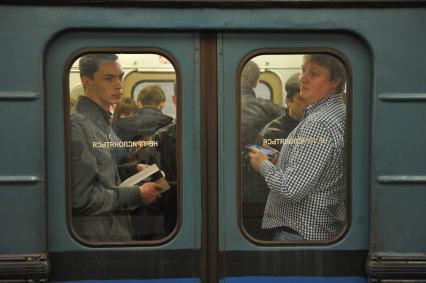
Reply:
x=149, y=192
x=274, y=158
x=141, y=167
x=256, y=157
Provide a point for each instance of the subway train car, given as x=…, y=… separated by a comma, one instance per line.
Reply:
x=68, y=217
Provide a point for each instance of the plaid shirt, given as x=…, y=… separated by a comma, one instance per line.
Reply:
x=307, y=186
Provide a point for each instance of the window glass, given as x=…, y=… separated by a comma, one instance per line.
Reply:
x=123, y=147
x=293, y=150
x=263, y=90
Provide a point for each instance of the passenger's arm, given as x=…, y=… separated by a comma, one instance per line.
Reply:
x=308, y=160
x=89, y=195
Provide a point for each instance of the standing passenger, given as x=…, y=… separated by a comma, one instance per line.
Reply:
x=100, y=207
x=278, y=129
x=166, y=138
x=307, y=185
x=124, y=109
x=147, y=119
x=275, y=132
x=162, y=213
x=143, y=125
x=255, y=112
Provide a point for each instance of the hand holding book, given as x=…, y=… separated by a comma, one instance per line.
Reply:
x=149, y=192
x=150, y=173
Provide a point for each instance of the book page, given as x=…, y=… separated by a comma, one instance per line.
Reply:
x=140, y=176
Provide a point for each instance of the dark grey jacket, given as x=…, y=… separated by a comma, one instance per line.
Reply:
x=277, y=130
x=143, y=123
x=100, y=208
x=255, y=114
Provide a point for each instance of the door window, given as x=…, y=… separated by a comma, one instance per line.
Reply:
x=293, y=176
x=123, y=147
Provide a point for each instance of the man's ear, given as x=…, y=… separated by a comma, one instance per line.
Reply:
x=174, y=99
x=336, y=82
x=162, y=105
x=86, y=81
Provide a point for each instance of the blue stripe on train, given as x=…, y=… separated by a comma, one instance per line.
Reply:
x=245, y=279
x=294, y=279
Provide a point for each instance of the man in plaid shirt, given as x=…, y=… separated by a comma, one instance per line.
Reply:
x=307, y=183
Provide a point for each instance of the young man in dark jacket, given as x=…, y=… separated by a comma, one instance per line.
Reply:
x=100, y=207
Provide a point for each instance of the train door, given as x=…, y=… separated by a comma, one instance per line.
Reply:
x=74, y=252
x=245, y=251
x=217, y=234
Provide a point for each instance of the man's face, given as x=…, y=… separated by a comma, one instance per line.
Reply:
x=106, y=87
x=315, y=83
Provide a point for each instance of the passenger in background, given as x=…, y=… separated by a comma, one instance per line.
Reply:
x=124, y=109
x=100, y=208
x=152, y=100
x=166, y=138
x=75, y=92
x=255, y=114
x=162, y=212
x=277, y=130
x=146, y=120
x=307, y=185
x=148, y=222
x=73, y=103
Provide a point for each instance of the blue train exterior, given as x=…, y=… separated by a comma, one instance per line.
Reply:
x=383, y=44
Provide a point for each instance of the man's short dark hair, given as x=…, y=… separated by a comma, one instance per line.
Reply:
x=292, y=86
x=89, y=63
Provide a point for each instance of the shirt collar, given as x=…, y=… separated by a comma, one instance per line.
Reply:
x=325, y=101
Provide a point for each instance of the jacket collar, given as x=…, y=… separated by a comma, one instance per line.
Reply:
x=248, y=91
x=148, y=109
x=94, y=112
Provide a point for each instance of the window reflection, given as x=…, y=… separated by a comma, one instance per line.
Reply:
x=123, y=147
x=294, y=189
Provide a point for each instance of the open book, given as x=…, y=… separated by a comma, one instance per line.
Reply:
x=151, y=173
